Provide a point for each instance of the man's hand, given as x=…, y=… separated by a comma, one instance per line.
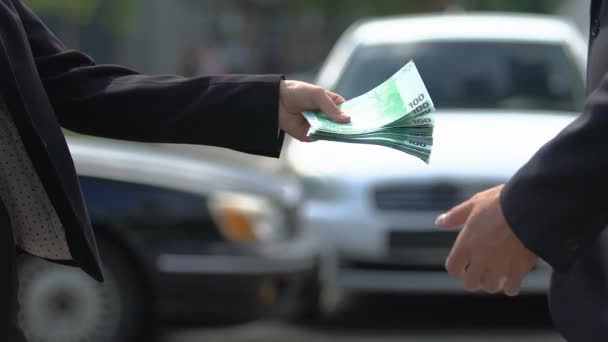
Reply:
x=486, y=254
x=296, y=97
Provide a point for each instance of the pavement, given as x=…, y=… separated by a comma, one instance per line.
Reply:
x=398, y=318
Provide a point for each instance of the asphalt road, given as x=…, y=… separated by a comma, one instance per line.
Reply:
x=398, y=318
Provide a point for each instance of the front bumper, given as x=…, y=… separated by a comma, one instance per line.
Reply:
x=431, y=282
x=232, y=283
x=390, y=251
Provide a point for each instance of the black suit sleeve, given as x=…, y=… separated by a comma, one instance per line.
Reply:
x=557, y=203
x=234, y=111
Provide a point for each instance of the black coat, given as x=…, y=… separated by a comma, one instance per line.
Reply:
x=46, y=87
x=557, y=203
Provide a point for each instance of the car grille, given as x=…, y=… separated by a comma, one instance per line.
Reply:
x=426, y=197
x=436, y=197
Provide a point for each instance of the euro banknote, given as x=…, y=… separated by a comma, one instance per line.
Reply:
x=399, y=113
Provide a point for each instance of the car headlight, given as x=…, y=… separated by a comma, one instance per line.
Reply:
x=248, y=218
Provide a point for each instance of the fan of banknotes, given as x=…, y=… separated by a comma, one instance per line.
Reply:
x=399, y=114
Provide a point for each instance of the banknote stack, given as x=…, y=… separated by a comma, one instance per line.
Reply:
x=399, y=114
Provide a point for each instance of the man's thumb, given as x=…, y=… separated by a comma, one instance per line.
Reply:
x=456, y=217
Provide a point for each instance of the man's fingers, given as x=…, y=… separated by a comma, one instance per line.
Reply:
x=493, y=281
x=329, y=107
x=298, y=128
x=458, y=260
x=456, y=217
x=514, y=281
x=513, y=285
x=472, y=277
x=302, y=134
x=338, y=99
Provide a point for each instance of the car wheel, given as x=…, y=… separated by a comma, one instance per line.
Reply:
x=63, y=304
x=316, y=301
x=310, y=301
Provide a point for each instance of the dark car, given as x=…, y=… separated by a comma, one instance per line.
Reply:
x=181, y=239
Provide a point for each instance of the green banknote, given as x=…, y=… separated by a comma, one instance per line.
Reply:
x=399, y=113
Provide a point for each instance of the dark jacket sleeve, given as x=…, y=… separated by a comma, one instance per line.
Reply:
x=234, y=111
x=557, y=203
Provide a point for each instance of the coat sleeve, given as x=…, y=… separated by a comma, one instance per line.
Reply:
x=233, y=111
x=557, y=203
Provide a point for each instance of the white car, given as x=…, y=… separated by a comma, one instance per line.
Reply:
x=503, y=85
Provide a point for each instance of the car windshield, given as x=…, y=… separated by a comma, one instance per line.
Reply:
x=475, y=75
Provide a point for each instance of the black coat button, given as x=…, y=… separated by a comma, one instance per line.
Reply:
x=595, y=28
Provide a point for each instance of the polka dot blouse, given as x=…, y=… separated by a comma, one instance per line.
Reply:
x=35, y=223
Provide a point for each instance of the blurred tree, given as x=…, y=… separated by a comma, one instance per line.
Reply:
x=378, y=7
x=72, y=15
x=80, y=11
x=514, y=5
x=382, y=7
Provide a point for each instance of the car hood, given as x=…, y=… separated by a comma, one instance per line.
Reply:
x=145, y=164
x=485, y=144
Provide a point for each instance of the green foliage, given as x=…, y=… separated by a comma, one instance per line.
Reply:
x=382, y=7
x=514, y=5
x=376, y=7
x=80, y=11
x=115, y=14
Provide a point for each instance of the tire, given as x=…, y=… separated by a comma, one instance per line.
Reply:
x=318, y=298
x=310, y=302
x=63, y=304
x=318, y=303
